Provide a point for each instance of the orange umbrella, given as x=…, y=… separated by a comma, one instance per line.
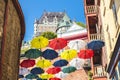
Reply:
x=58, y=43
x=86, y=53
x=53, y=70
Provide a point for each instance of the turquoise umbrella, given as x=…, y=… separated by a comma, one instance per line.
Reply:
x=31, y=76
x=69, y=69
x=33, y=53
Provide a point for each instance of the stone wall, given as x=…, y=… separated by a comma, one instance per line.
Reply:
x=2, y=10
x=11, y=41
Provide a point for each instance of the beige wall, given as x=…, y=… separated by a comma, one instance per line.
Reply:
x=111, y=30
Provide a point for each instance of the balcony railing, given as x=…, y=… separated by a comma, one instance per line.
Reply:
x=96, y=36
x=91, y=9
x=99, y=71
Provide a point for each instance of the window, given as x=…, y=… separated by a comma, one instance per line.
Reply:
x=119, y=67
x=115, y=13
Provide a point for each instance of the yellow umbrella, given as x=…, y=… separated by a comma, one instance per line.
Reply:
x=68, y=54
x=46, y=76
x=43, y=63
x=39, y=42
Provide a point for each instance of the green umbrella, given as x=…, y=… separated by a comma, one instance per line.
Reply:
x=31, y=76
x=69, y=69
x=33, y=53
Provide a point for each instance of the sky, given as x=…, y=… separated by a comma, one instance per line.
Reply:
x=33, y=9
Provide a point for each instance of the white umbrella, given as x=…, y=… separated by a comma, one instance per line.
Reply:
x=23, y=71
x=77, y=62
x=61, y=75
x=77, y=44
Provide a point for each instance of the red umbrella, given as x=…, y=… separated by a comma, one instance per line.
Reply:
x=54, y=78
x=58, y=43
x=27, y=63
x=53, y=70
x=85, y=54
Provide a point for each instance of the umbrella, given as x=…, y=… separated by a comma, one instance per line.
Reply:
x=68, y=54
x=61, y=74
x=77, y=62
x=86, y=53
x=60, y=63
x=37, y=70
x=39, y=42
x=23, y=71
x=46, y=76
x=53, y=70
x=33, y=53
x=43, y=63
x=27, y=63
x=77, y=44
x=55, y=78
x=95, y=44
x=41, y=79
x=58, y=43
x=21, y=76
x=50, y=54
x=68, y=69
x=31, y=76
x=25, y=79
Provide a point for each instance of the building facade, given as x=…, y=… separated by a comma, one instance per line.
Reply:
x=110, y=15
x=50, y=21
x=12, y=29
x=95, y=32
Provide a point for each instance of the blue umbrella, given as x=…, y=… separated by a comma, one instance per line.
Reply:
x=95, y=44
x=60, y=63
x=37, y=70
x=50, y=54
x=21, y=76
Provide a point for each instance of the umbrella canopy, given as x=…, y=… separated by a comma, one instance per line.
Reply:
x=55, y=78
x=77, y=62
x=68, y=69
x=23, y=71
x=61, y=74
x=95, y=44
x=43, y=63
x=31, y=76
x=46, y=76
x=68, y=54
x=37, y=70
x=27, y=63
x=58, y=43
x=77, y=44
x=53, y=70
x=60, y=63
x=50, y=54
x=21, y=76
x=33, y=53
x=39, y=42
x=41, y=79
x=86, y=53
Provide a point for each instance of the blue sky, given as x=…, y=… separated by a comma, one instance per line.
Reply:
x=34, y=8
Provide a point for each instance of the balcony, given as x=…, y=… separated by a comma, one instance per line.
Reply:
x=91, y=9
x=99, y=71
x=96, y=36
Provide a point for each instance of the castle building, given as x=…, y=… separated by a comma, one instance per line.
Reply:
x=50, y=21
